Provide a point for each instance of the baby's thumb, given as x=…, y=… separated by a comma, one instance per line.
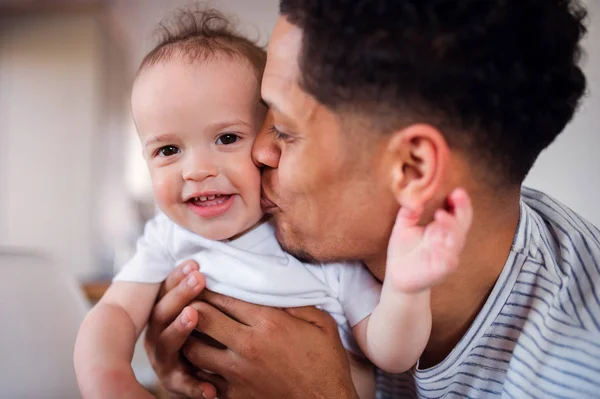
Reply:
x=407, y=218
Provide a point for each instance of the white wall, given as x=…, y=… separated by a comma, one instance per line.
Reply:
x=569, y=169
x=64, y=127
x=138, y=19
x=49, y=80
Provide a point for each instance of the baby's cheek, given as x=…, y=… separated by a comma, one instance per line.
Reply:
x=254, y=185
x=245, y=174
x=253, y=189
x=164, y=192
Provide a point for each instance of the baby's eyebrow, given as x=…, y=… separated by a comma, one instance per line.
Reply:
x=225, y=124
x=160, y=138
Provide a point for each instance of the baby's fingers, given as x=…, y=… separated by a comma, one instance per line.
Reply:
x=444, y=231
x=442, y=262
x=461, y=208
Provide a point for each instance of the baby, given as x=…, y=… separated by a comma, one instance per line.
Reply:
x=196, y=105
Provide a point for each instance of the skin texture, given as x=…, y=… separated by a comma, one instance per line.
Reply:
x=334, y=188
x=199, y=141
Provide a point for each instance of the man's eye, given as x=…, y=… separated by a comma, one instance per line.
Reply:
x=279, y=135
x=228, y=138
x=168, y=151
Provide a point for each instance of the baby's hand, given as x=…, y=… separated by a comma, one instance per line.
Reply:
x=420, y=257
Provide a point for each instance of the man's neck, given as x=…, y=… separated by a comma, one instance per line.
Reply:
x=456, y=302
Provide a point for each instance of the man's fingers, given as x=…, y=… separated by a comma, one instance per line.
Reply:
x=174, y=336
x=189, y=386
x=167, y=350
x=179, y=273
x=170, y=305
x=312, y=315
x=244, y=312
x=218, y=325
x=207, y=357
x=210, y=382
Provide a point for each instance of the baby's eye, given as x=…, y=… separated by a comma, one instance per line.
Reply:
x=168, y=151
x=228, y=138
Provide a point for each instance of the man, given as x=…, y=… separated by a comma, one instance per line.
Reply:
x=377, y=105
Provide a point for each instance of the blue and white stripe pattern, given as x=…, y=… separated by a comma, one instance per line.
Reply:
x=538, y=334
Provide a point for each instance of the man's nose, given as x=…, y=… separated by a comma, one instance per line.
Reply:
x=198, y=167
x=265, y=150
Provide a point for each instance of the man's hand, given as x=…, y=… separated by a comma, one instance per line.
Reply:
x=421, y=256
x=169, y=326
x=271, y=353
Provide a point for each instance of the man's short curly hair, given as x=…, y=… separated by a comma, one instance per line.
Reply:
x=202, y=34
x=499, y=78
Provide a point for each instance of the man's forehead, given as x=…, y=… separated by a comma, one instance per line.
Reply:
x=284, y=48
x=280, y=80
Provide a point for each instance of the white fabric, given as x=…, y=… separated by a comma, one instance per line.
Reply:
x=255, y=269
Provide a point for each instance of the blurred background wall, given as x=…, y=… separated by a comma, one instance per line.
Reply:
x=72, y=180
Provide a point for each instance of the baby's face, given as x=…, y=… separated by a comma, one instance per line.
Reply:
x=197, y=123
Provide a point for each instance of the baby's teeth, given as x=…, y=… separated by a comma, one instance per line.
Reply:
x=211, y=197
x=202, y=198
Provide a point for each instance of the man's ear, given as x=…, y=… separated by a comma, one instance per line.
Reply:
x=419, y=157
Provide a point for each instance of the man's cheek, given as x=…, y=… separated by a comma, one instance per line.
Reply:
x=295, y=176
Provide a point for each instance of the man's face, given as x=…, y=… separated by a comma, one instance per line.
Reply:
x=326, y=187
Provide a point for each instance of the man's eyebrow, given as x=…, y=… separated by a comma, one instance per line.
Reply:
x=271, y=105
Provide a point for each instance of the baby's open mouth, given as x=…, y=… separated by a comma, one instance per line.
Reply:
x=210, y=200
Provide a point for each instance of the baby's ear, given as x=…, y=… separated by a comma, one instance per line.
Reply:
x=419, y=157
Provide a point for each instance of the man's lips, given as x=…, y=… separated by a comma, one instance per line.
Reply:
x=266, y=204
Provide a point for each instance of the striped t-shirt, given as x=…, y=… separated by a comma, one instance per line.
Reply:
x=538, y=334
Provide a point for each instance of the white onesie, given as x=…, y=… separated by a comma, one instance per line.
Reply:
x=254, y=268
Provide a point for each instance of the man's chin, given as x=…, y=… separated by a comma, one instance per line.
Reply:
x=293, y=248
x=299, y=253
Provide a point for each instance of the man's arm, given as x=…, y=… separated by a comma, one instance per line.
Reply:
x=271, y=353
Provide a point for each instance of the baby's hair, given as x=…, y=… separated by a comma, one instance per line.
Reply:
x=202, y=35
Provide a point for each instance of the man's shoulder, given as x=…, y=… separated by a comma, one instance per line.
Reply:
x=557, y=294
x=557, y=216
x=561, y=240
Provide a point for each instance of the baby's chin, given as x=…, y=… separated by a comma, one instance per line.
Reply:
x=224, y=230
x=218, y=231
